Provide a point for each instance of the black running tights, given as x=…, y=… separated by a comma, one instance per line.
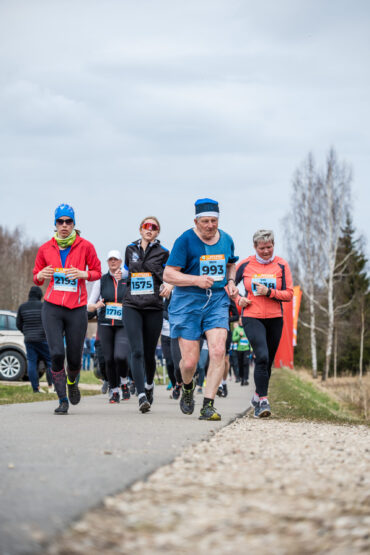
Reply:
x=264, y=335
x=167, y=355
x=116, y=351
x=70, y=323
x=143, y=329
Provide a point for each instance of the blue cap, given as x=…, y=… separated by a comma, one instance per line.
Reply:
x=206, y=207
x=64, y=210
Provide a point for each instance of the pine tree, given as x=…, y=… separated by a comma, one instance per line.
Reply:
x=351, y=290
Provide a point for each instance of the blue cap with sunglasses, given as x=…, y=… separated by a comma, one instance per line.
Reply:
x=64, y=210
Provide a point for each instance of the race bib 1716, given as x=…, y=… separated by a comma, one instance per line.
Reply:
x=62, y=282
x=213, y=265
x=269, y=280
x=113, y=311
x=142, y=284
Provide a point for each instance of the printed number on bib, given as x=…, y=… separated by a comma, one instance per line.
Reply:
x=269, y=280
x=142, y=284
x=213, y=265
x=113, y=311
x=62, y=282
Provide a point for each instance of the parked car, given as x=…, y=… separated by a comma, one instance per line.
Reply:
x=13, y=358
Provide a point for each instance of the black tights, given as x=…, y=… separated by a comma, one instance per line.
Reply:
x=264, y=335
x=143, y=330
x=167, y=355
x=70, y=323
x=116, y=351
x=243, y=365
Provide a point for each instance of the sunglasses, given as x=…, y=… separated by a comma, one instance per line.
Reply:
x=68, y=221
x=150, y=227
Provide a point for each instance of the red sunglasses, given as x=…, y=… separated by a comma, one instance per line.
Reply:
x=150, y=227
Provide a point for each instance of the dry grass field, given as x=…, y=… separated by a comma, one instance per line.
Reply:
x=348, y=389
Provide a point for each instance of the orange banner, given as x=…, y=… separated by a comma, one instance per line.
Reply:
x=284, y=355
x=296, y=305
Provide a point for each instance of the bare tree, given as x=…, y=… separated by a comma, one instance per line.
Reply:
x=333, y=196
x=301, y=236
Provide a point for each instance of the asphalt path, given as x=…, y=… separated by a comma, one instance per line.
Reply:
x=54, y=468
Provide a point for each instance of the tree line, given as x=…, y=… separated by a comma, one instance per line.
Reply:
x=328, y=261
x=17, y=258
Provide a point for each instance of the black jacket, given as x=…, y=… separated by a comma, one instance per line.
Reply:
x=112, y=292
x=153, y=261
x=29, y=320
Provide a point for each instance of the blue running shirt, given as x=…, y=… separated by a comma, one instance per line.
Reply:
x=197, y=258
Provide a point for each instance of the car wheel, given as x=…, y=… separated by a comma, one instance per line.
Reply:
x=12, y=366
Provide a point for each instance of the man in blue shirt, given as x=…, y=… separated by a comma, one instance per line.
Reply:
x=201, y=266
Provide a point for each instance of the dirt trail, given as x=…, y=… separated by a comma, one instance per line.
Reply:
x=263, y=486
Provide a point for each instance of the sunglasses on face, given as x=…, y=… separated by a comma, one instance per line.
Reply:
x=68, y=221
x=150, y=227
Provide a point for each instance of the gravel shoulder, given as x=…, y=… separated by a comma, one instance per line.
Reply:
x=265, y=486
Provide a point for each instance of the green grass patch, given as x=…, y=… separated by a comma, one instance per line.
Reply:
x=10, y=394
x=292, y=398
x=86, y=376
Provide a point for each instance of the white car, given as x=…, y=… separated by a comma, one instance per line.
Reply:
x=13, y=358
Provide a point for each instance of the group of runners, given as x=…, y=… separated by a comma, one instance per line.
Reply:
x=194, y=286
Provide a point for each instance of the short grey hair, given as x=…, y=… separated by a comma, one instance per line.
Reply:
x=264, y=235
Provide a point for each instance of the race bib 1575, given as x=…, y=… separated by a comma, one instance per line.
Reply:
x=142, y=284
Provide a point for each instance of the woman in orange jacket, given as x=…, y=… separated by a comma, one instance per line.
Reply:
x=67, y=260
x=268, y=283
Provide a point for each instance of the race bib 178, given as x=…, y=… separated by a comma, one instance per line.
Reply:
x=213, y=265
x=62, y=282
x=269, y=280
x=142, y=284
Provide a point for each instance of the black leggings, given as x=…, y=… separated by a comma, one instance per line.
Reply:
x=243, y=364
x=264, y=335
x=143, y=330
x=71, y=323
x=166, y=349
x=116, y=351
x=176, y=357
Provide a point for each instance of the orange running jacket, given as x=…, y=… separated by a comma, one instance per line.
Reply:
x=276, y=275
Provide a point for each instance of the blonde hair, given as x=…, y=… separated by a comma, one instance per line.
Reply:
x=150, y=218
x=264, y=235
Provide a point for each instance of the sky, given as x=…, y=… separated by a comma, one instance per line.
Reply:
x=131, y=108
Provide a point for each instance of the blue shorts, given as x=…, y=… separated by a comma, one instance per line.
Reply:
x=193, y=313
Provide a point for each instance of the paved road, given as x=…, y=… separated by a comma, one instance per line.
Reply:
x=54, y=468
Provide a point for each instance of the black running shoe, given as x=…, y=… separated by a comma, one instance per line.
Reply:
x=144, y=405
x=176, y=392
x=224, y=390
x=115, y=398
x=125, y=392
x=104, y=387
x=187, y=400
x=220, y=391
x=63, y=408
x=150, y=395
x=132, y=388
x=74, y=394
x=209, y=413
